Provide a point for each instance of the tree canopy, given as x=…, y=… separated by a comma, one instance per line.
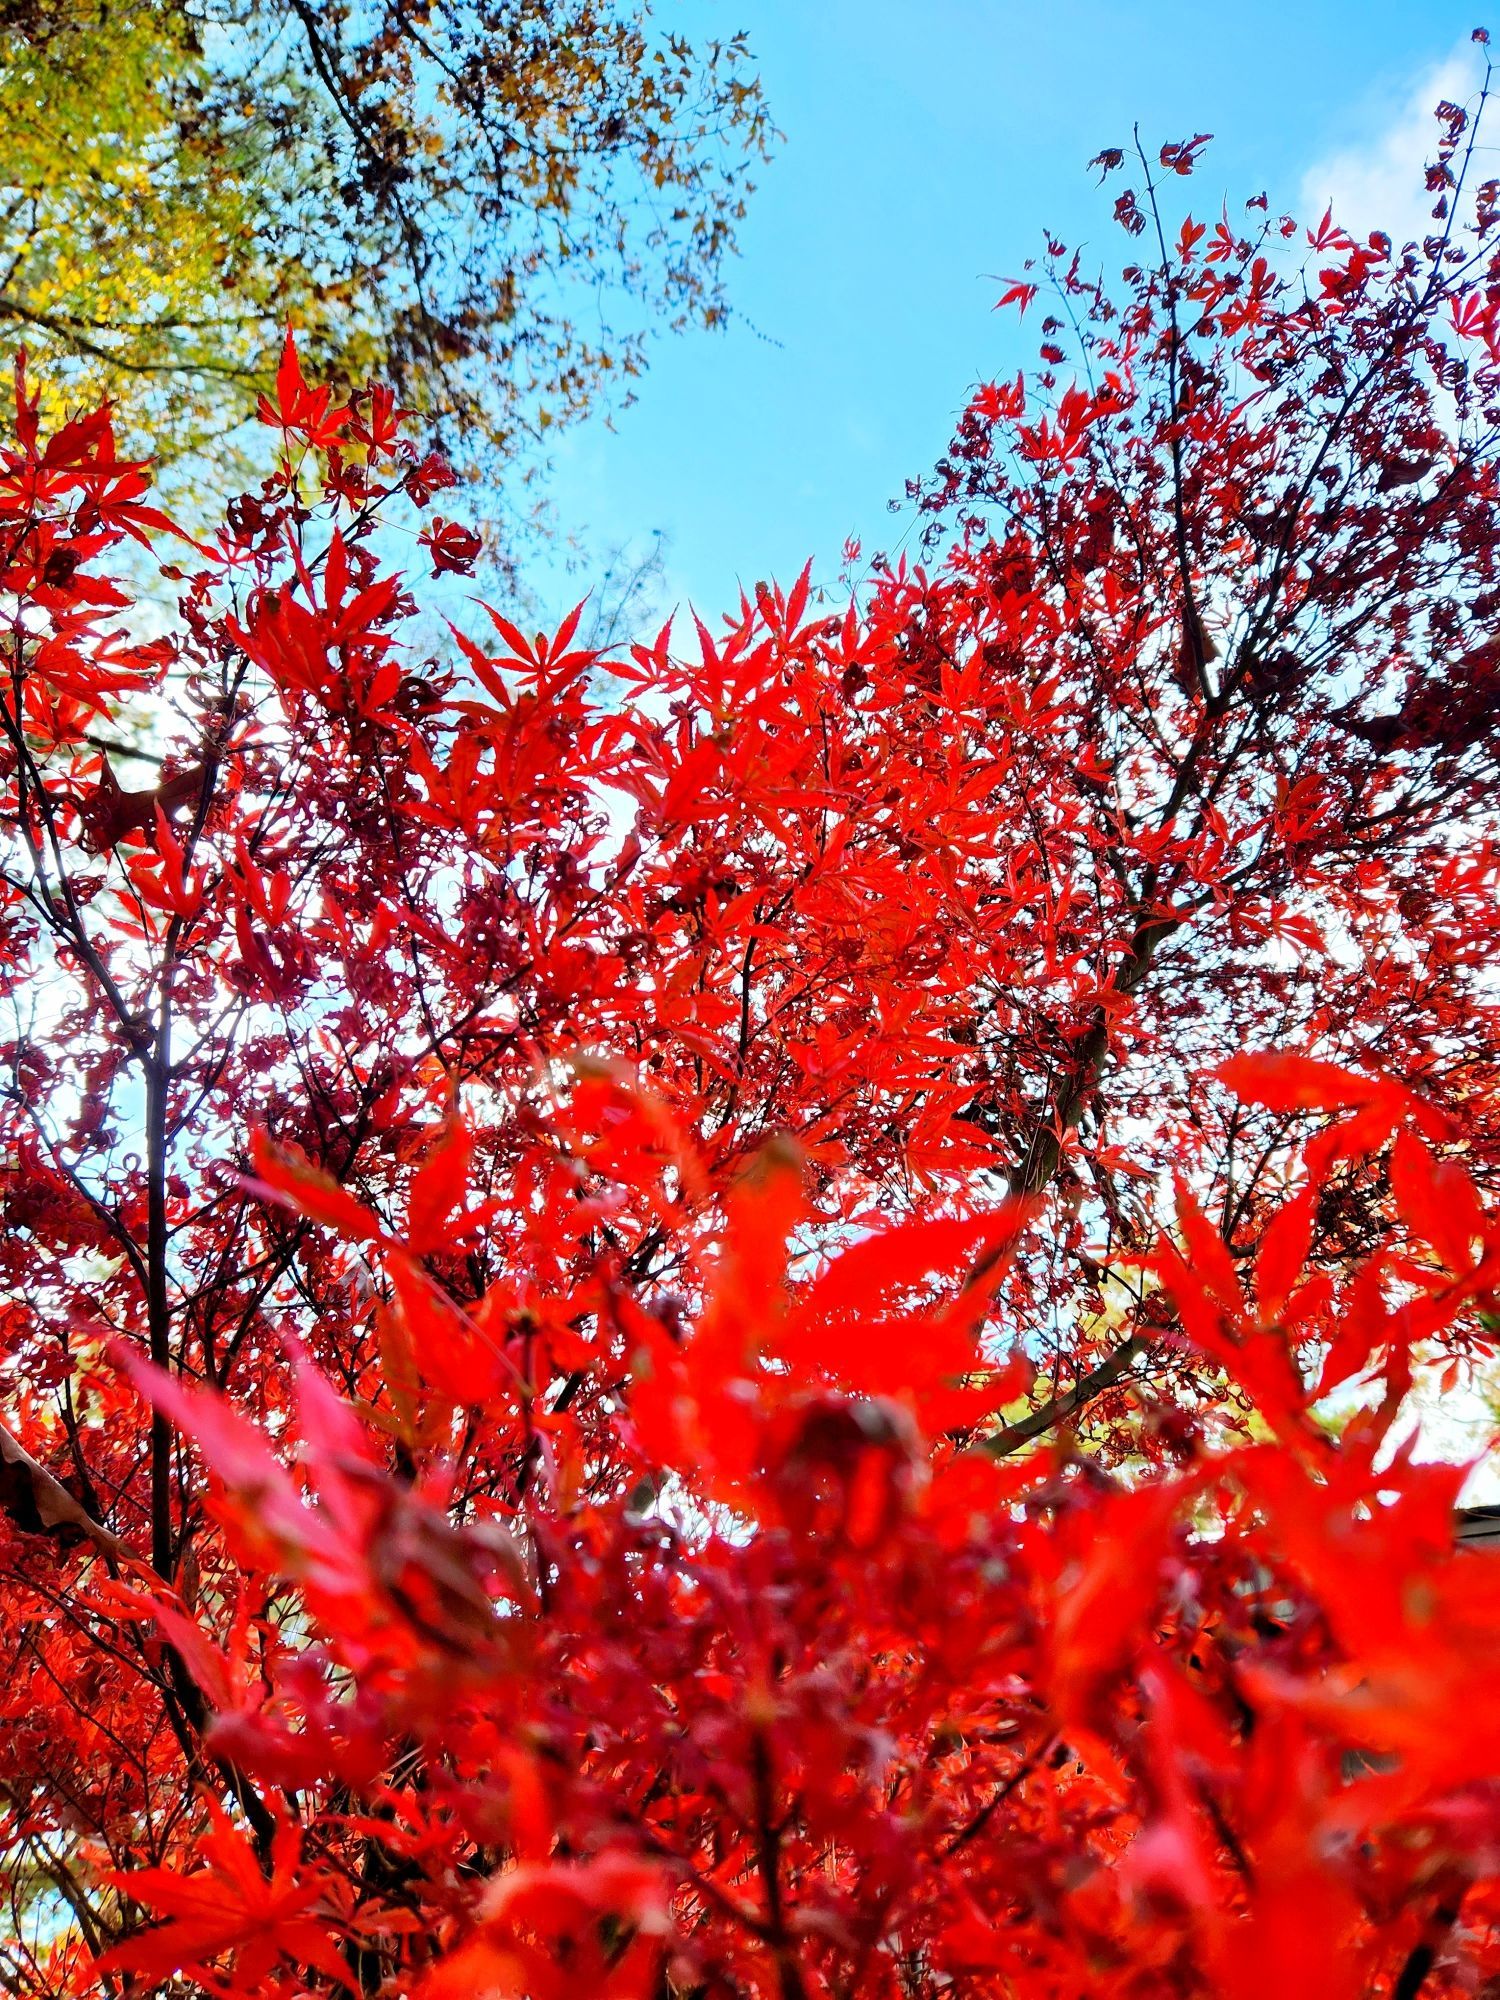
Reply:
x=739, y=1318
x=488, y=206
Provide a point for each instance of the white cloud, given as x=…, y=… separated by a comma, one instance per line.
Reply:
x=1377, y=182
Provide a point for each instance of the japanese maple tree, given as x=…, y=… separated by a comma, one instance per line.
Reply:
x=742, y=1320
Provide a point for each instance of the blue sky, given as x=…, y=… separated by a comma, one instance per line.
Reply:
x=927, y=145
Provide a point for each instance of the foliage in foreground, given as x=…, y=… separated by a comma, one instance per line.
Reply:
x=548, y=1200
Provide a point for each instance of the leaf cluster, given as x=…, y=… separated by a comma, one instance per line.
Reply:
x=741, y=1317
